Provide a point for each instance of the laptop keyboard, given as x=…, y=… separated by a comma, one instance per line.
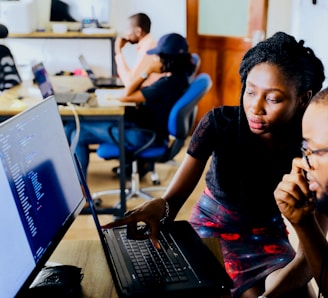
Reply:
x=72, y=97
x=155, y=266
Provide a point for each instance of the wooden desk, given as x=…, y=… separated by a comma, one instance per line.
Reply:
x=73, y=35
x=10, y=105
x=88, y=254
x=27, y=94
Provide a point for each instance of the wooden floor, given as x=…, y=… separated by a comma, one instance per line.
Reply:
x=100, y=177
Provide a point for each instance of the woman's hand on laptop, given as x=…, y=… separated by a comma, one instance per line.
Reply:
x=144, y=221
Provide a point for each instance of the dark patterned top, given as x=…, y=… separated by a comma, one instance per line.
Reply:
x=243, y=173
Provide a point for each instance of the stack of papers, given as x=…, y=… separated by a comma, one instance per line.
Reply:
x=111, y=97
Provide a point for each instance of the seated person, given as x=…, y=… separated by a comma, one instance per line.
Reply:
x=154, y=102
x=302, y=196
x=138, y=33
x=249, y=146
x=9, y=76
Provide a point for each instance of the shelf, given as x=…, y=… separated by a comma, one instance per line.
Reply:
x=68, y=35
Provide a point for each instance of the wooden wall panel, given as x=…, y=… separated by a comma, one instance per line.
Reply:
x=220, y=58
x=221, y=55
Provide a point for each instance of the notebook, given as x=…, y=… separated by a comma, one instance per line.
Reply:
x=100, y=82
x=44, y=83
x=40, y=194
x=189, y=267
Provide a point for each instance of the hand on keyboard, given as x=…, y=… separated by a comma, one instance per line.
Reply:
x=150, y=213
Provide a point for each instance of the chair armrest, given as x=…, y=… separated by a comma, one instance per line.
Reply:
x=148, y=138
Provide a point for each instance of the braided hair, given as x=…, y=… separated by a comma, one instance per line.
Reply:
x=297, y=62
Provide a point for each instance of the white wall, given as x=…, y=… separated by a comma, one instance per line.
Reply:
x=297, y=17
x=304, y=20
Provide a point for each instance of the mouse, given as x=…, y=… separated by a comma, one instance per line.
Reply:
x=91, y=90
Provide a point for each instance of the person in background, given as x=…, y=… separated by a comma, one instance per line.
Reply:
x=9, y=75
x=302, y=195
x=172, y=59
x=138, y=32
x=250, y=147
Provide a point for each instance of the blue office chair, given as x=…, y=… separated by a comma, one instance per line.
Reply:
x=181, y=121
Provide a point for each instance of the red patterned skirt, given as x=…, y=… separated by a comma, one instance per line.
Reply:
x=250, y=253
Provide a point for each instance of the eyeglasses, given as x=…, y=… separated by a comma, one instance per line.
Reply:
x=306, y=152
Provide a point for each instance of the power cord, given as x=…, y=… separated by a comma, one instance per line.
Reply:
x=77, y=125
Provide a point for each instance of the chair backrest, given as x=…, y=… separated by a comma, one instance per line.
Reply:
x=9, y=76
x=196, y=61
x=183, y=113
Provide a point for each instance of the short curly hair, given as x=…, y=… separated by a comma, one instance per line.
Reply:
x=142, y=20
x=297, y=62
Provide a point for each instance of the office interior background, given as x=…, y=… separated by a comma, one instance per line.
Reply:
x=302, y=18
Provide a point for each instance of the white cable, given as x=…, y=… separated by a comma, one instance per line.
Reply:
x=77, y=125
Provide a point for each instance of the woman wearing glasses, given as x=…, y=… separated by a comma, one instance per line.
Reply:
x=251, y=146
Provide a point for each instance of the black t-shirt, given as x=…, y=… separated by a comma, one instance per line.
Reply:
x=160, y=98
x=243, y=173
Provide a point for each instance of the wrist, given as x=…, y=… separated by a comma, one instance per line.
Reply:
x=144, y=75
x=166, y=212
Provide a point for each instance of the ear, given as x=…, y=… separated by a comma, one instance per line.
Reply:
x=138, y=31
x=305, y=99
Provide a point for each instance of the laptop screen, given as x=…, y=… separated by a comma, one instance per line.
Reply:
x=40, y=193
x=87, y=68
x=42, y=79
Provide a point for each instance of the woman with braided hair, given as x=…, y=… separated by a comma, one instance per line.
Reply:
x=250, y=148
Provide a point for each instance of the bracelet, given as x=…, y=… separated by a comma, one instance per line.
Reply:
x=166, y=212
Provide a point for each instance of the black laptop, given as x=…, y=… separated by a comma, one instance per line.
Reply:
x=100, y=82
x=40, y=194
x=44, y=83
x=184, y=265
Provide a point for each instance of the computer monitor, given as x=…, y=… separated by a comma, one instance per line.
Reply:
x=76, y=11
x=40, y=194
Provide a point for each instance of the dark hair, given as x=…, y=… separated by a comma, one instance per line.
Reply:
x=142, y=21
x=321, y=97
x=297, y=62
x=177, y=63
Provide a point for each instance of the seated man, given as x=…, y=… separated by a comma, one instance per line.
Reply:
x=154, y=102
x=138, y=33
x=302, y=196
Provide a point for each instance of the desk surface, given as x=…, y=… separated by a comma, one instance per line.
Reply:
x=88, y=254
x=29, y=95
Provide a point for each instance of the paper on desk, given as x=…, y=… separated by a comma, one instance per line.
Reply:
x=111, y=97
